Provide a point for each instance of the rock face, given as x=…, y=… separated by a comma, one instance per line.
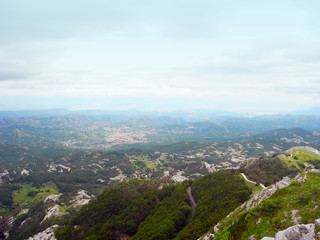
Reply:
x=52, y=212
x=209, y=237
x=265, y=193
x=81, y=199
x=53, y=197
x=47, y=234
x=256, y=200
x=178, y=177
x=297, y=232
x=301, y=178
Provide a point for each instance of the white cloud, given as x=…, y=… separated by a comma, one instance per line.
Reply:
x=239, y=53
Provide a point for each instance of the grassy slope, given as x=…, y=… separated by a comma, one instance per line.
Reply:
x=253, y=187
x=300, y=155
x=140, y=210
x=21, y=196
x=275, y=213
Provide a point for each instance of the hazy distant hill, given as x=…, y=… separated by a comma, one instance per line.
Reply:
x=34, y=113
x=65, y=155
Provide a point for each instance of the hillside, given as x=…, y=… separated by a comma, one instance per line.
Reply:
x=277, y=208
x=142, y=212
x=219, y=198
x=59, y=158
x=145, y=208
x=289, y=203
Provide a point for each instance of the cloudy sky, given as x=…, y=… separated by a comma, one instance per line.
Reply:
x=249, y=55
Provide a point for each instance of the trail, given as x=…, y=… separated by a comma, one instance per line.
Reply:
x=245, y=178
x=193, y=203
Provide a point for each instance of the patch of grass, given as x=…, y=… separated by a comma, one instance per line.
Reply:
x=299, y=156
x=4, y=210
x=28, y=194
x=253, y=187
x=151, y=165
x=135, y=159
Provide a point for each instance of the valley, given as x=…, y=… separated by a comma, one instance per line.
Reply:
x=52, y=166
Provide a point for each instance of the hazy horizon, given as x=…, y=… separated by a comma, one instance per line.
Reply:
x=237, y=56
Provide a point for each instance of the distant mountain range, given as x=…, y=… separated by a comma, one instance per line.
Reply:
x=192, y=115
x=52, y=165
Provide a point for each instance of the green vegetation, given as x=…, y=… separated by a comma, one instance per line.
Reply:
x=297, y=203
x=268, y=170
x=27, y=193
x=216, y=195
x=118, y=210
x=6, y=194
x=168, y=218
x=33, y=225
x=300, y=157
x=143, y=162
x=49, y=149
x=137, y=208
x=253, y=187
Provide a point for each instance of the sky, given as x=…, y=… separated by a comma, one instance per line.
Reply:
x=242, y=56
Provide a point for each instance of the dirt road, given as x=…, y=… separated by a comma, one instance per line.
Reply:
x=193, y=203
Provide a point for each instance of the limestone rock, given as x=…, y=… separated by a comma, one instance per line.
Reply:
x=47, y=234
x=216, y=227
x=301, y=178
x=52, y=212
x=265, y=193
x=52, y=197
x=295, y=217
x=298, y=232
x=209, y=237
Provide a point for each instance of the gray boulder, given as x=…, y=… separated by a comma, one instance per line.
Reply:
x=209, y=237
x=298, y=232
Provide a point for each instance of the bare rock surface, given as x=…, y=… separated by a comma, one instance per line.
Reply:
x=209, y=236
x=297, y=232
x=52, y=197
x=295, y=217
x=81, y=199
x=47, y=234
x=265, y=193
x=52, y=212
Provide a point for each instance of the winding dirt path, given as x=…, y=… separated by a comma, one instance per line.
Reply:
x=193, y=203
x=245, y=178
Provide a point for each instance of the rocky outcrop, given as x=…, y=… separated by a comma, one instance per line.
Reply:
x=47, y=234
x=255, y=200
x=52, y=197
x=178, y=177
x=81, y=199
x=3, y=174
x=52, y=212
x=297, y=232
x=265, y=193
x=295, y=216
x=209, y=237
